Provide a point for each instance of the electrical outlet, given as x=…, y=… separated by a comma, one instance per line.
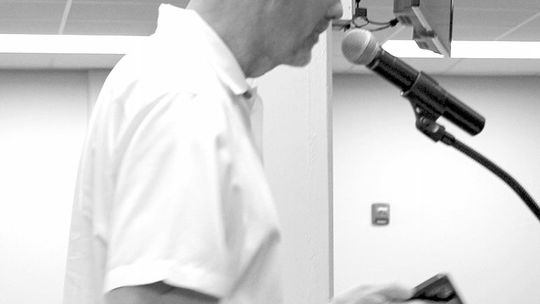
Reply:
x=380, y=214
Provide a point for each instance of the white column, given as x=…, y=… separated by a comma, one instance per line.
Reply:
x=297, y=157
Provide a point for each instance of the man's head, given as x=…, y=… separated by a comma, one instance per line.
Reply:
x=263, y=34
x=293, y=27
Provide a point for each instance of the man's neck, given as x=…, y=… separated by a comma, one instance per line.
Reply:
x=238, y=31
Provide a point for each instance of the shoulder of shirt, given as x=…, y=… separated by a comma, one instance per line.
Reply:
x=153, y=76
x=132, y=92
x=166, y=67
x=153, y=70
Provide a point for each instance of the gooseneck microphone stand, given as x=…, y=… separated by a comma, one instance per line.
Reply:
x=426, y=123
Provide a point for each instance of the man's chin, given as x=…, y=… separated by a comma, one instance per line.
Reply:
x=300, y=61
x=301, y=58
x=303, y=54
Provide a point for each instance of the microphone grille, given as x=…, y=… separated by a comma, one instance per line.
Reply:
x=360, y=47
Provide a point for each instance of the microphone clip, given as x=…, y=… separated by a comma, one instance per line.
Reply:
x=427, y=124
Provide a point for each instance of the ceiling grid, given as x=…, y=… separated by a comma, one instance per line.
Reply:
x=517, y=20
x=65, y=15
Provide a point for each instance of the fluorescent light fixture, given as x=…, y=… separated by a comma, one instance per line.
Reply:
x=110, y=45
x=469, y=49
x=67, y=44
x=408, y=49
x=496, y=49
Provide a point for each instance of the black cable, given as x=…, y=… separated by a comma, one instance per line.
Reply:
x=379, y=22
x=382, y=25
x=509, y=180
x=361, y=13
x=381, y=28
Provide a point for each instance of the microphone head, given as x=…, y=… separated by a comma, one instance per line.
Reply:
x=360, y=47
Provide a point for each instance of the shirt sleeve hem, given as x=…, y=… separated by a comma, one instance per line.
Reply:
x=184, y=276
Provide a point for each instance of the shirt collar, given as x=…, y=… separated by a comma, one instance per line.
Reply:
x=177, y=20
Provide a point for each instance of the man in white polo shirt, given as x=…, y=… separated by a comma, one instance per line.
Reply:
x=172, y=205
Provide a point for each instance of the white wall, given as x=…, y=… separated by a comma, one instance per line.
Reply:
x=448, y=214
x=42, y=125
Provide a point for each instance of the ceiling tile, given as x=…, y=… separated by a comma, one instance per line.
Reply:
x=33, y=1
x=98, y=11
x=99, y=27
x=478, y=4
x=479, y=17
x=528, y=32
x=98, y=17
x=39, y=27
x=477, y=33
x=31, y=11
x=118, y=10
x=502, y=5
x=180, y=3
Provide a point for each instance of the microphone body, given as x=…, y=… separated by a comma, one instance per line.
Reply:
x=360, y=47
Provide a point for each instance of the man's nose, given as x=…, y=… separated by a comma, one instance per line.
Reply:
x=335, y=11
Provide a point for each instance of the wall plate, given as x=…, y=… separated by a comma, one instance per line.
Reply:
x=380, y=214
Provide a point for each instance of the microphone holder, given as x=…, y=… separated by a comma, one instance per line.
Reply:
x=426, y=123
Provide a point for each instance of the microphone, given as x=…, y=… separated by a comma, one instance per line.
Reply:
x=428, y=98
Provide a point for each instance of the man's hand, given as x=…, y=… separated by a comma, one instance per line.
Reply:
x=387, y=294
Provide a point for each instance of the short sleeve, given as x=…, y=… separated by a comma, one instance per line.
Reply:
x=166, y=222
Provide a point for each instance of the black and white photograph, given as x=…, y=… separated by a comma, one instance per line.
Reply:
x=269, y=152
